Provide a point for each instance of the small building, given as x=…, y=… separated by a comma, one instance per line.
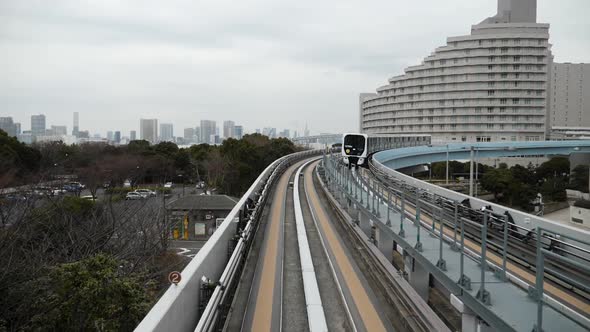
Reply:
x=196, y=217
x=580, y=213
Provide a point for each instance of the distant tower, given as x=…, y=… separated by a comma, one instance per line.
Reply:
x=306, y=132
x=76, y=129
x=133, y=135
x=38, y=125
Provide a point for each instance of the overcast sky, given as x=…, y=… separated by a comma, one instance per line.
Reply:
x=261, y=63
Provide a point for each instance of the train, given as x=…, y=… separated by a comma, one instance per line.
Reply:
x=357, y=148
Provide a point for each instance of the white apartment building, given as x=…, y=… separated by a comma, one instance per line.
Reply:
x=490, y=85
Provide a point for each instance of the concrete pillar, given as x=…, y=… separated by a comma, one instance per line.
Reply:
x=418, y=276
x=385, y=244
x=469, y=320
x=365, y=225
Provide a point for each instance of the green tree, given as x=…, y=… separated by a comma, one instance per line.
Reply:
x=579, y=178
x=557, y=166
x=497, y=181
x=91, y=294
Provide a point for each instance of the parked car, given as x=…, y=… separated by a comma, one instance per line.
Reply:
x=77, y=184
x=146, y=192
x=132, y=196
x=58, y=192
x=168, y=185
x=88, y=197
x=127, y=184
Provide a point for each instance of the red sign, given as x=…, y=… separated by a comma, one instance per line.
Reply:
x=174, y=277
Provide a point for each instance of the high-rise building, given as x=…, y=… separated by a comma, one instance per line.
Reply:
x=58, y=131
x=166, y=132
x=110, y=136
x=306, y=131
x=7, y=125
x=198, y=135
x=148, y=130
x=490, y=85
x=270, y=132
x=208, y=128
x=239, y=132
x=229, y=128
x=38, y=125
x=285, y=133
x=17, y=127
x=76, y=127
x=189, y=135
x=132, y=135
x=117, y=137
x=569, y=101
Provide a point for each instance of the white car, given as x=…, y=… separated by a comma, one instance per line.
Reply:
x=146, y=192
x=168, y=185
x=132, y=196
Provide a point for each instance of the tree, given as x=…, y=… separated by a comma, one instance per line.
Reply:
x=557, y=166
x=579, y=178
x=497, y=181
x=91, y=294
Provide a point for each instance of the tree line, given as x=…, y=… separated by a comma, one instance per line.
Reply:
x=518, y=185
x=230, y=167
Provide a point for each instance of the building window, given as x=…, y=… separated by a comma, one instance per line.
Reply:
x=503, y=101
x=515, y=101
x=490, y=92
x=516, y=67
x=490, y=67
x=516, y=58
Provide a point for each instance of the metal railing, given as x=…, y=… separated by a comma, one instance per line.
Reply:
x=371, y=196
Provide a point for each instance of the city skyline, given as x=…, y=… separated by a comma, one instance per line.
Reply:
x=278, y=72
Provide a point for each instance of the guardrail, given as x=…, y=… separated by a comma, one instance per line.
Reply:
x=522, y=220
x=177, y=309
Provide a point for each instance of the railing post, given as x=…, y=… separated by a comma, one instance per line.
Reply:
x=464, y=281
x=418, y=245
x=505, y=248
x=441, y=264
x=539, y=282
x=483, y=295
x=454, y=246
x=388, y=205
x=368, y=194
x=402, y=215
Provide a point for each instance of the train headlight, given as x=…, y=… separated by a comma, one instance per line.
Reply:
x=361, y=161
x=347, y=151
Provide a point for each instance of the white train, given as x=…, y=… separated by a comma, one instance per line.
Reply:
x=357, y=148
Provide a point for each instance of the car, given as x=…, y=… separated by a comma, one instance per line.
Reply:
x=168, y=185
x=127, y=183
x=77, y=184
x=146, y=192
x=132, y=196
x=88, y=197
x=58, y=192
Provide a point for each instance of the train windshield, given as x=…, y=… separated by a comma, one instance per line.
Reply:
x=354, y=145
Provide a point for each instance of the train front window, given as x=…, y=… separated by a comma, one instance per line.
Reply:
x=354, y=145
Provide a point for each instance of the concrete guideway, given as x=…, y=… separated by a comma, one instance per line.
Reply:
x=365, y=314
x=264, y=309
